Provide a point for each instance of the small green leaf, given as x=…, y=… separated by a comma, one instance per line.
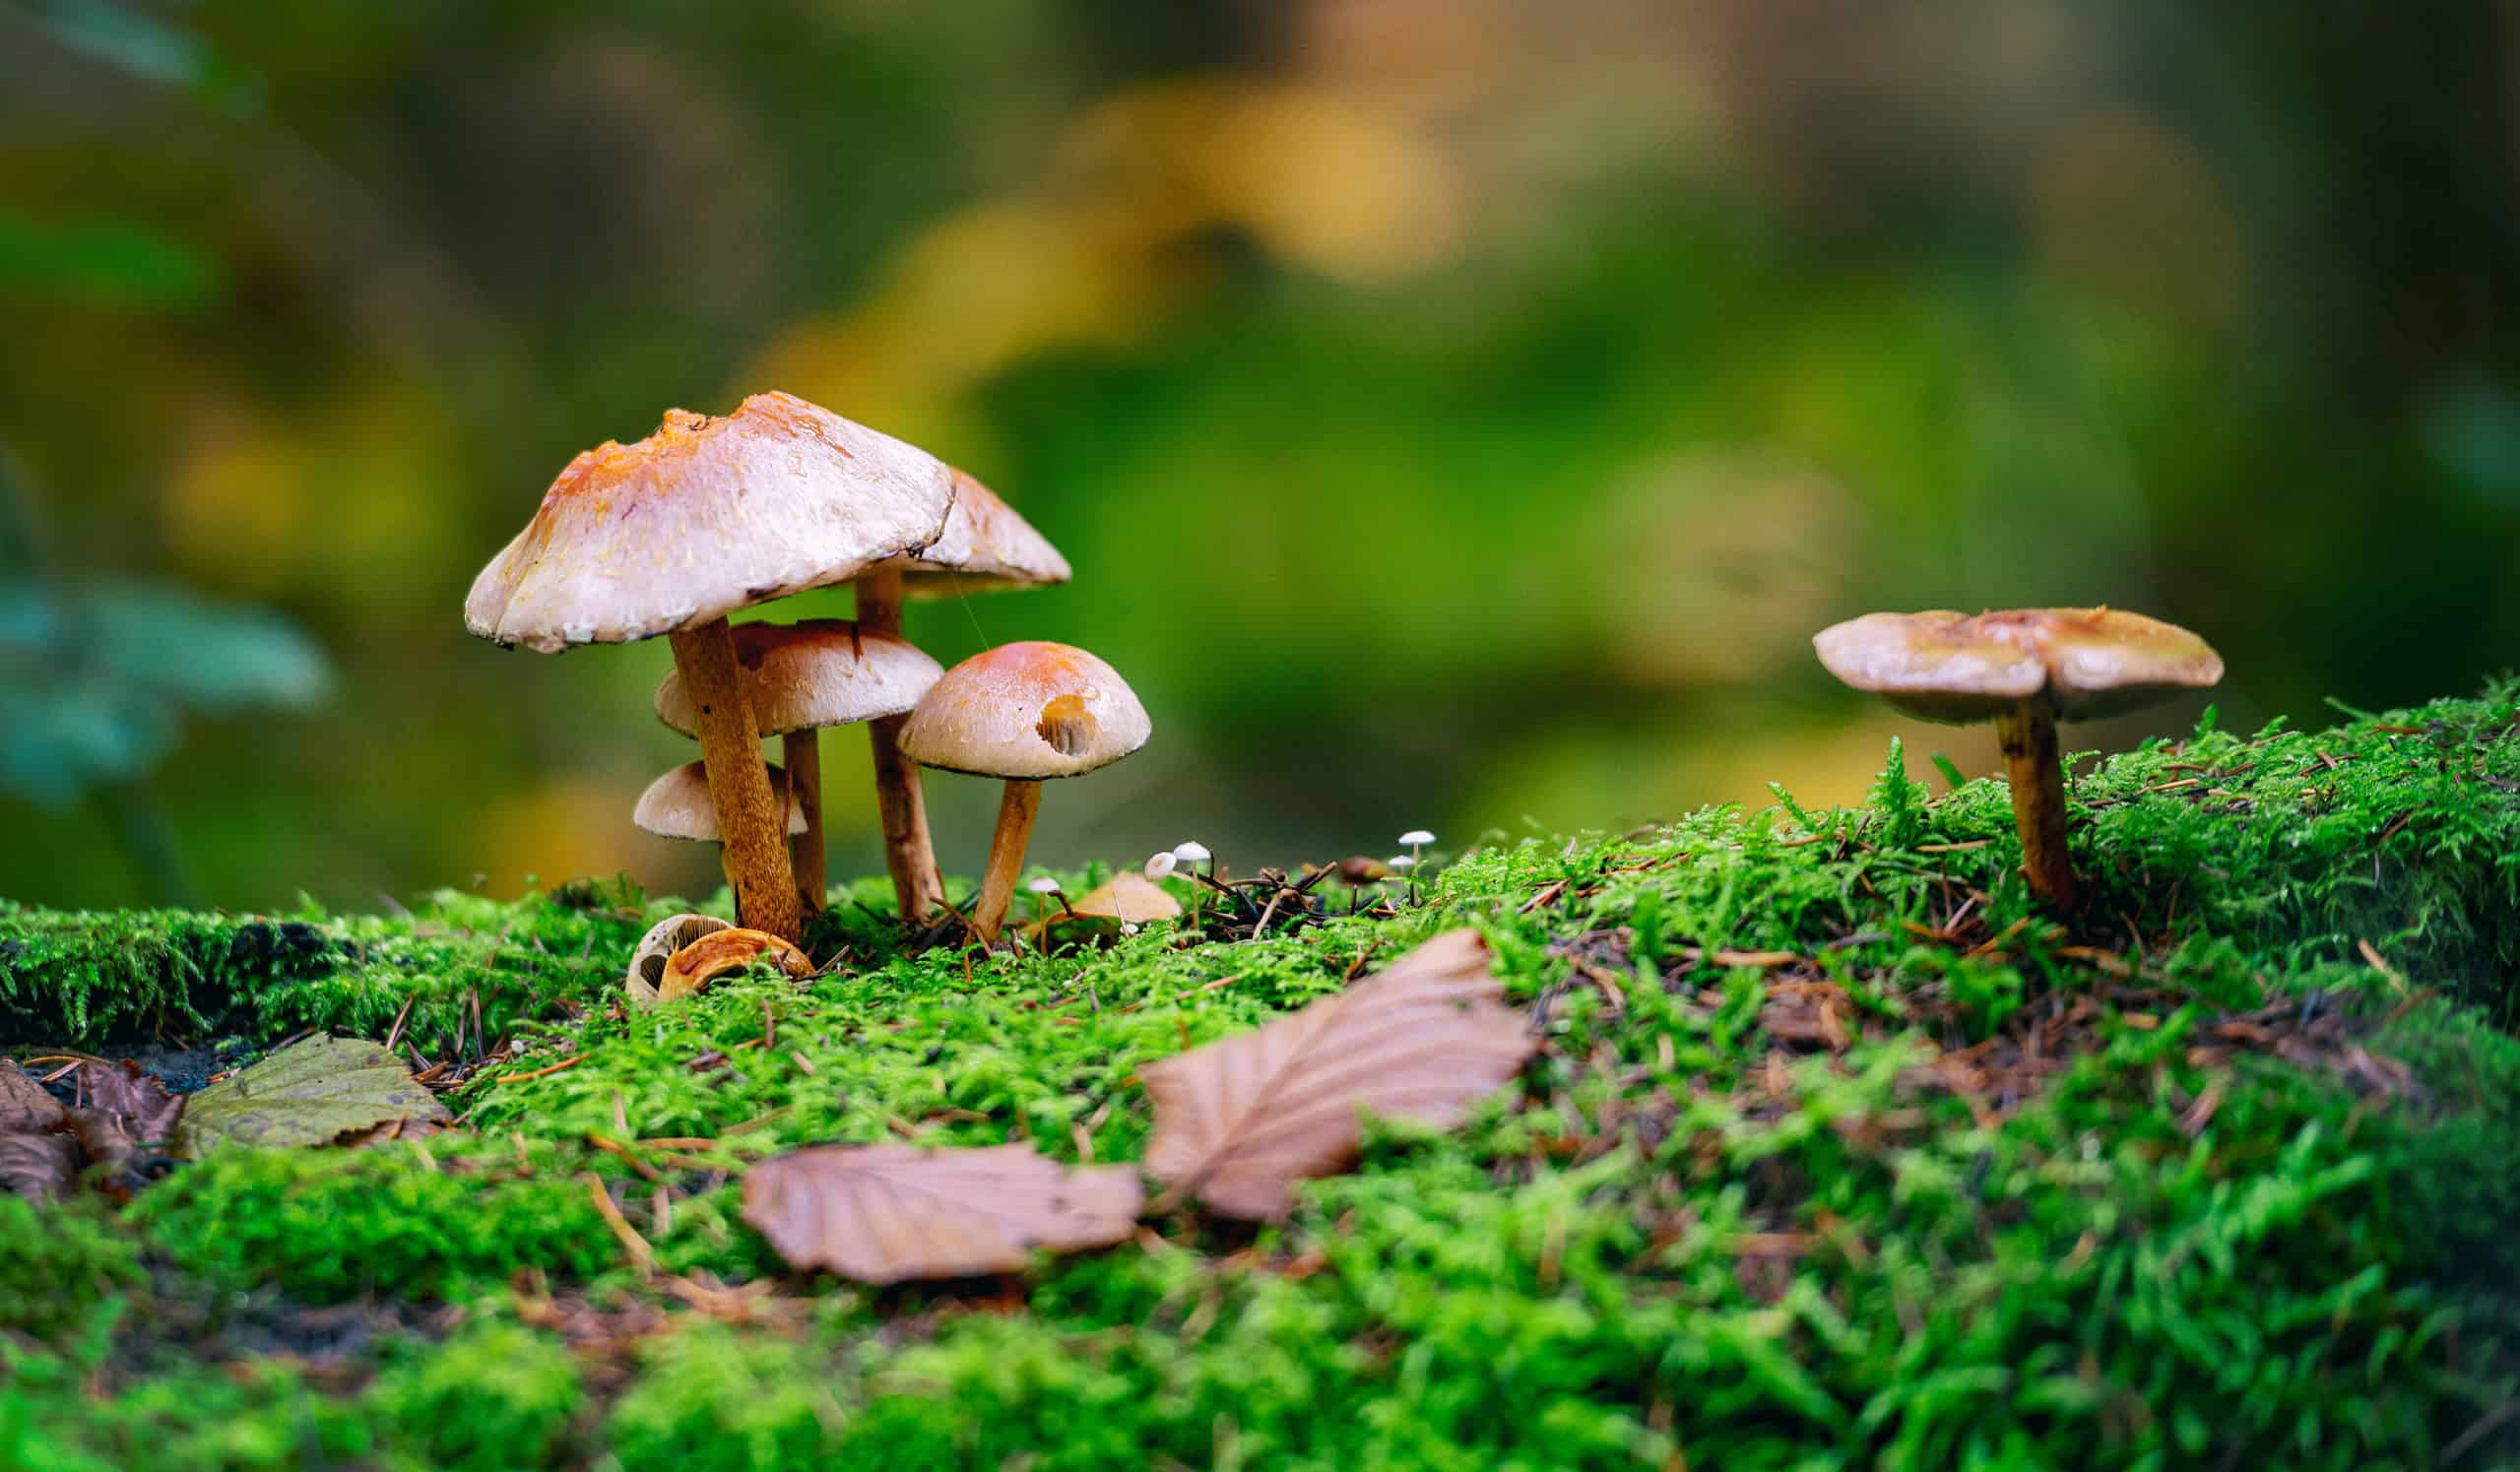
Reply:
x=311, y=1093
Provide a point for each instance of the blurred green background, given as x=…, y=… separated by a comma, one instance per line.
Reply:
x=1459, y=413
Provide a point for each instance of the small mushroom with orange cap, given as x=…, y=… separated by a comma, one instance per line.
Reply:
x=1022, y=713
x=798, y=678
x=679, y=805
x=2025, y=670
x=706, y=516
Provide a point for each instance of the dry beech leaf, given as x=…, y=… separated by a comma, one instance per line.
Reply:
x=34, y=1161
x=657, y=946
x=310, y=1093
x=893, y=1213
x=715, y=954
x=146, y=1110
x=1239, y=1122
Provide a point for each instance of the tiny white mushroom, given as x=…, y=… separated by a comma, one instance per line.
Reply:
x=1417, y=838
x=1161, y=863
x=1192, y=851
x=1044, y=886
x=1401, y=861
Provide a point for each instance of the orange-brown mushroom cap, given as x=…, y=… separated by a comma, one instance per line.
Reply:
x=817, y=672
x=705, y=515
x=1026, y=712
x=1959, y=668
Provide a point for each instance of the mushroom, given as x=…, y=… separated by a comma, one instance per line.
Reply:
x=704, y=516
x=1022, y=713
x=681, y=805
x=658, y=945
x=985, y=547
x=800, y=677
x=2025, y=670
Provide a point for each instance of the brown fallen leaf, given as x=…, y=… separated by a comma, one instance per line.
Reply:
x=146, y=1110
x=1239, y=1122
x=35, y=1162
x=657, y=946
x=715, y=954
x=893, y=1213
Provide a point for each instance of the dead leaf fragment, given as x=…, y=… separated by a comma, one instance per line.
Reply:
x=310, y=1093
x=894, y=1213
x=715, y=954
x=1239, y=1122
x=657, y=946
x=146, y=1110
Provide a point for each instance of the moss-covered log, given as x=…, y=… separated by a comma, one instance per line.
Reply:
x=1842, y=1150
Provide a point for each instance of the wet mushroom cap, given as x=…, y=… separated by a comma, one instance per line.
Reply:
x=1961, y=667
x=676, y=804
x=821, y=671
x=983, y=547
x=1026, y=712
x=706, y=516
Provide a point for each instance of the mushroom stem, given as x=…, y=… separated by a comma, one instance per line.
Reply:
x=748, y=814
x=2027, y=733
x=801, y=753
x=1015, y=812
x=908, y=852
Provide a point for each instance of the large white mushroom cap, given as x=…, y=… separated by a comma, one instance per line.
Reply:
x=985, y=546
x=706, y=516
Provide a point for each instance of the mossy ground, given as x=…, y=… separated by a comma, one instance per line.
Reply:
x=2024, y=1201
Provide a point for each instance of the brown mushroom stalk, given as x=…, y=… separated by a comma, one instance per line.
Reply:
x=751, y=819
x=2036, y=771
x=909, y=854
x=1016, y=810
x=801, y=753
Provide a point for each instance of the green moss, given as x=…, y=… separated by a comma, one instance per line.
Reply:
x=1682, y=1231
x=420, y=1218
x=495, y=1395
x=83, y=978
x=59, y=1266
x=250, y=1415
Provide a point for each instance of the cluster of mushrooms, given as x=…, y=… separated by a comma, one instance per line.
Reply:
x=709, y=516
x=712, y=515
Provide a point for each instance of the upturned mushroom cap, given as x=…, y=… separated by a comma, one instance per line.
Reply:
x=985, y=546
x=821, y=671
x=1958, y=667
x=1026, y=712
x=704, y=516
x=676, y=804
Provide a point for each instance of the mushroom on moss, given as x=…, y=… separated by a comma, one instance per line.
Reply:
x=681, y=805
x=704, y=516
x=800, y=677
x=1022, y=713
x=2025, y=670
x=985, y=547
